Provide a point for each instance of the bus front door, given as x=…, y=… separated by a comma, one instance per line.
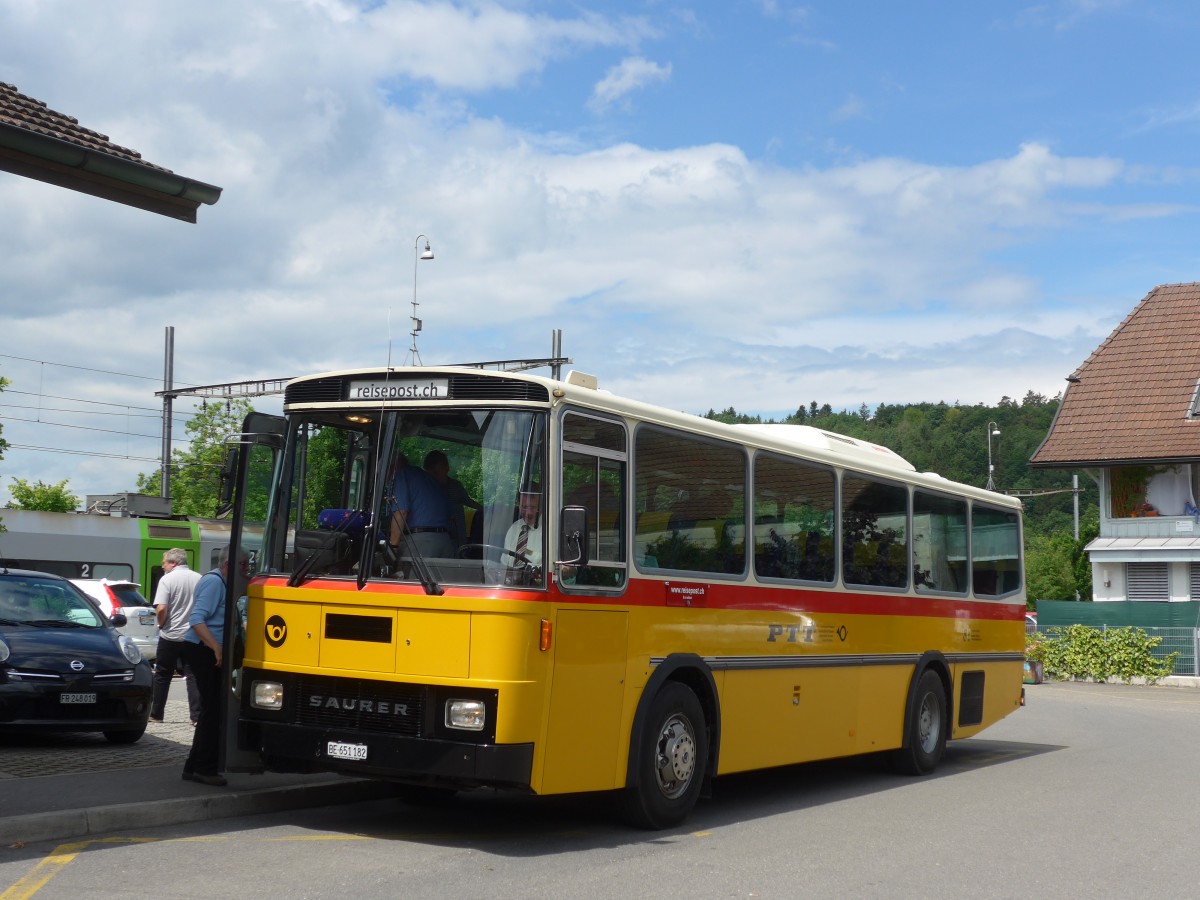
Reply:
x=257, y=449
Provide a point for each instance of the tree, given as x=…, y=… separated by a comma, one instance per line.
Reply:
x=1049, y=567
x=42, y=496
x=196, y=471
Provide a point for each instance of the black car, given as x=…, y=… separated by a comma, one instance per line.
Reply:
x=63, y=664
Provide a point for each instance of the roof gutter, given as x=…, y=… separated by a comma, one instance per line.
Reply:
x=1115, y=461
x=69, y=165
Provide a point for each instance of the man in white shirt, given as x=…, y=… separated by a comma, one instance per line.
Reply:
x=172, y=605
x=524, y=537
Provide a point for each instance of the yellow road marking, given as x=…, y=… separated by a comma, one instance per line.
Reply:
x=55, y=862
x=59, y=857
x=63, y=854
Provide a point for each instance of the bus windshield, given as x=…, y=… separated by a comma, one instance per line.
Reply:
x=442, y=496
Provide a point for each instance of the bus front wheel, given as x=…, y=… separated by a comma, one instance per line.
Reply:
x=669, y=761
x=928, y=723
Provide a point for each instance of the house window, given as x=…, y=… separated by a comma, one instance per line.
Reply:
x=1147, y=581
x=1194, y=578
x=1127, y=490
x=1138, y=491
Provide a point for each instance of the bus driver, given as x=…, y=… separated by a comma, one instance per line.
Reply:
x=524, y=537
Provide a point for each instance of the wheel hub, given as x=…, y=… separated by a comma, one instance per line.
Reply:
x=677, y=754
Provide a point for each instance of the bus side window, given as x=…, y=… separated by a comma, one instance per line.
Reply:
x=793, y=522
x=594, y=477
x=707, y=481
x=874, y=520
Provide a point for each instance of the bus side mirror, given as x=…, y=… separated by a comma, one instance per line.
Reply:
x=573, y=535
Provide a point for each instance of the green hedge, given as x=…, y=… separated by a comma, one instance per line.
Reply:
x=1078, y=651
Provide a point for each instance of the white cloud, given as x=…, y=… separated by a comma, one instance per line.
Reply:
x=852, y=108
x=631, y=74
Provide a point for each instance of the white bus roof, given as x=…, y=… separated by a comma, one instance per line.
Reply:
x=850, y=448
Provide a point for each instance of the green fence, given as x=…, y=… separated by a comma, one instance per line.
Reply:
x=1175, y=623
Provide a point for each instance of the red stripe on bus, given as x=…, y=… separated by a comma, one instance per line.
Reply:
x=719, y=595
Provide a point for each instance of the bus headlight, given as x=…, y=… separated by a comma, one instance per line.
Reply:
x=466, y=715
x=266, y=695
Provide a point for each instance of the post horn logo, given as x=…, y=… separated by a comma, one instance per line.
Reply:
x=276, y=631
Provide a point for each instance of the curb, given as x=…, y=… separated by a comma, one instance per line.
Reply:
x=52, y=826
x=1188, y=681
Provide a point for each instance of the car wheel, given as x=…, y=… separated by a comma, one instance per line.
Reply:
x=130, y=736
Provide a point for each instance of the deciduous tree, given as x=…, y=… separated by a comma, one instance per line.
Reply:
x=196, y=471
x=42, y=496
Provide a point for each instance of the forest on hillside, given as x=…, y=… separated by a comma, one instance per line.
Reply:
x=952, y=440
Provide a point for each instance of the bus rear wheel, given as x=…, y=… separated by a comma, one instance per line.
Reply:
x=926, y=729
x=669, y=762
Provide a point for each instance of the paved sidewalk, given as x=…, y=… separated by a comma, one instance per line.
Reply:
x=71, y=785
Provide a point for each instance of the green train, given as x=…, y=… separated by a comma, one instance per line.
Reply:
x=88, y=545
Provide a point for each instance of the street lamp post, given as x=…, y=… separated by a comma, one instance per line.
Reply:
x=993, y=430
x=427, y=253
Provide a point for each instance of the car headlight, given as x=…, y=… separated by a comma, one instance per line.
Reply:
x=4, y=651
x=129, y=648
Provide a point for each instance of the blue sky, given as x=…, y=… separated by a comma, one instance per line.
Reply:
x=747, y=204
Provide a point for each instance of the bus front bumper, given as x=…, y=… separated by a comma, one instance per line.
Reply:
x=304, y=748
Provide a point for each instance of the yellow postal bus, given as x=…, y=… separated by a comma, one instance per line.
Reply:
x=612, y=596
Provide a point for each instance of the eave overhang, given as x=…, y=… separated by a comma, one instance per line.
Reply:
x=1185, y=548
x=1115, y=461
x=61, y=163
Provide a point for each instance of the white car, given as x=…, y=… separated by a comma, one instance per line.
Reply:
x=124, y=597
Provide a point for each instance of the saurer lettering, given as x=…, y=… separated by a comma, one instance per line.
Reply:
x=353, y=704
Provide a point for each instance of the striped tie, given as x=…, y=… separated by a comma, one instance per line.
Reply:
x=523, y=539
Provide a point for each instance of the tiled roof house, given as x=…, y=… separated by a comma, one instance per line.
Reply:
x=38, y=142
x=1131, y=417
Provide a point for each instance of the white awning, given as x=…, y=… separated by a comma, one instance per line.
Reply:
x=1145, y=549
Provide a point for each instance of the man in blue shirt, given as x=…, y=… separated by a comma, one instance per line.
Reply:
x=437, y=464
x=203, y=649
x=419, y=512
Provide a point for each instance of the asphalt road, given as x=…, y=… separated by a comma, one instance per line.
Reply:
x=1090, y=791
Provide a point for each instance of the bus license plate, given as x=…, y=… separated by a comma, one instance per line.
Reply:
x=339, y=750
x=77, y=698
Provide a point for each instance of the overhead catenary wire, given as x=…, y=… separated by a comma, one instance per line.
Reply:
x=119, y=409
x=131, y=434
x=44, y=362
x=83, y=453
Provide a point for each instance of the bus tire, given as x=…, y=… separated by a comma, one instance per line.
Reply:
x=926, y=728
x=669, y=761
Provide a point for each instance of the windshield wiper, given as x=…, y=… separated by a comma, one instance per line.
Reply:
x=10, y=622
x=57, y=623
x=423, y=574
